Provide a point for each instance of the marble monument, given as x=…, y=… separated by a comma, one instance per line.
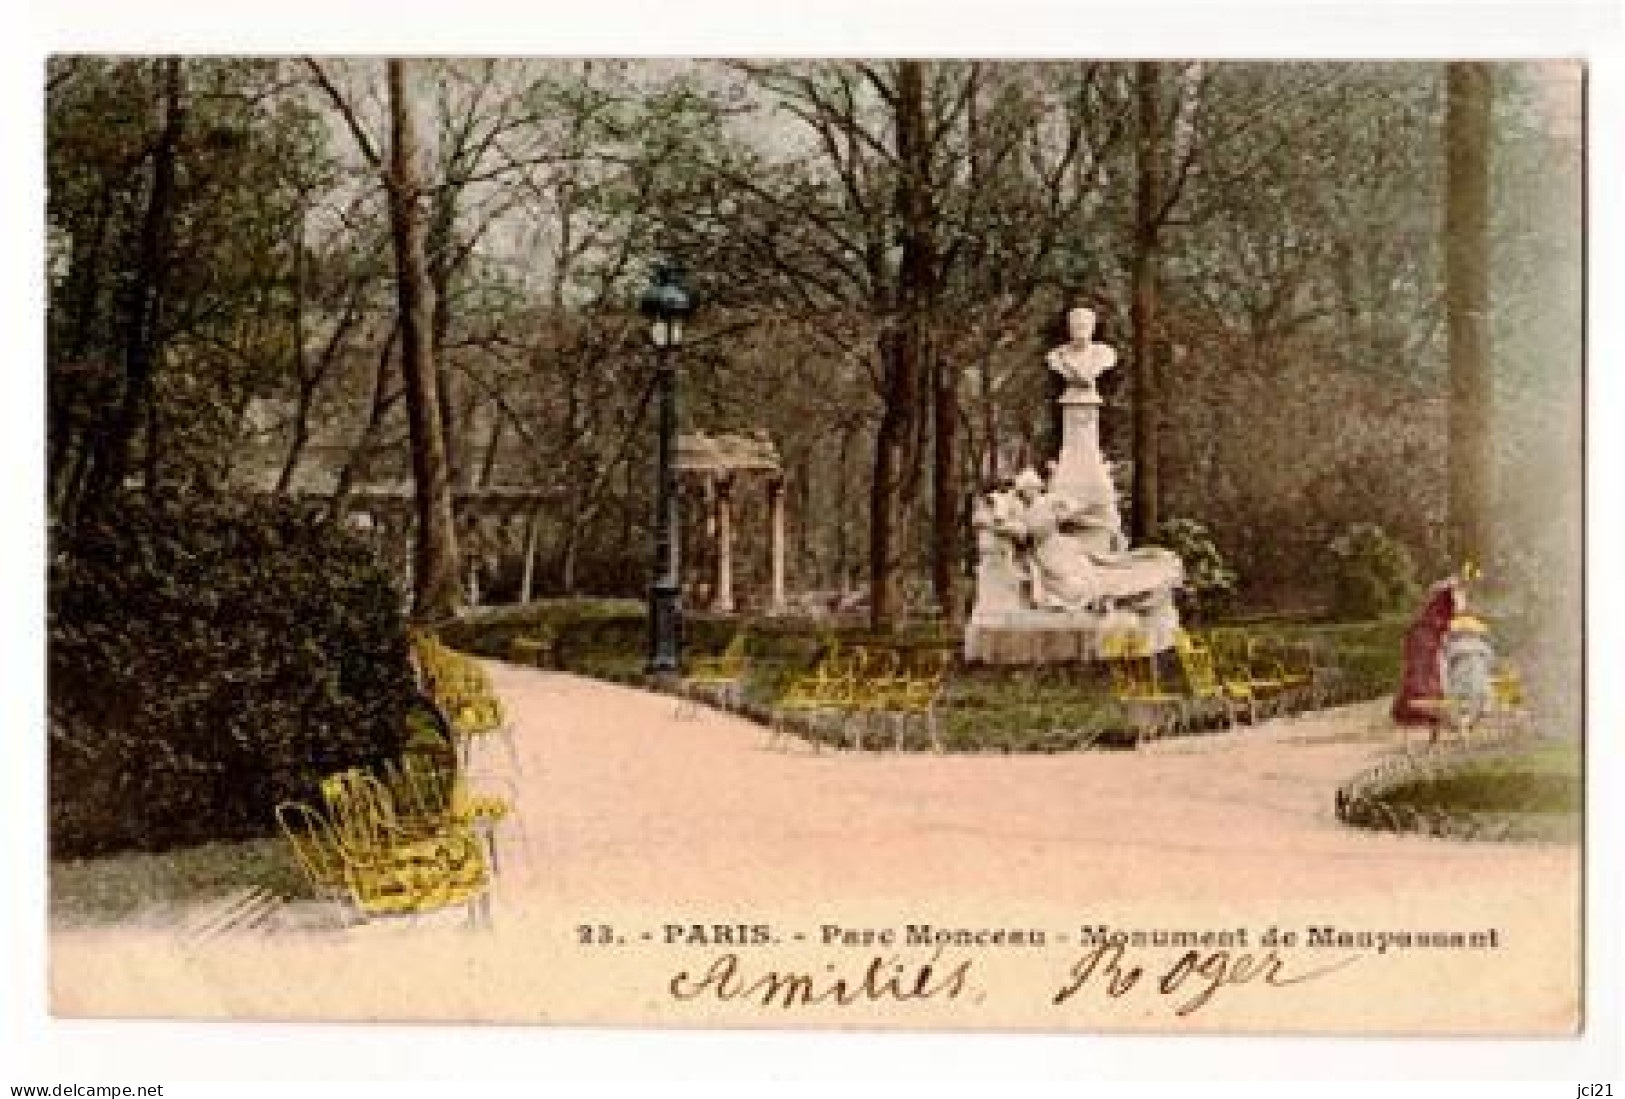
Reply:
x=1055, y=572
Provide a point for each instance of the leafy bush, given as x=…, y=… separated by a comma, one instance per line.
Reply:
x=1209, y=580
x=1372, y=573
x=207, y=660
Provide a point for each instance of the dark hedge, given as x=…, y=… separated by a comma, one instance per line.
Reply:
x=209, y=657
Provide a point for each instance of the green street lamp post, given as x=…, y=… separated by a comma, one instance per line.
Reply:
x=667, y=303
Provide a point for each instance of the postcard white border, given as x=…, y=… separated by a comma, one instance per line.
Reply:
x=35, y=1049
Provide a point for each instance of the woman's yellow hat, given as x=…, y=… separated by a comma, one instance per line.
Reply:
x=1466, y=623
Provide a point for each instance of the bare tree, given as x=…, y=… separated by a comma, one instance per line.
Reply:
x=143, y=302
x=1148, y=219
x=438, y=592
x=1467, y=272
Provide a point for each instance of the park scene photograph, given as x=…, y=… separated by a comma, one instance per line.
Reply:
x=1071, y=545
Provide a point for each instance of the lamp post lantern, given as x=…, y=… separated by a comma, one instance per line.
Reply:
x=667, y=303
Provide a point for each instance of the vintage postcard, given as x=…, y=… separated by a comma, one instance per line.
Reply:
x=1086, y=545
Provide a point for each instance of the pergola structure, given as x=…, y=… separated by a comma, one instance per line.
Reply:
x=717, y=463
x=714, y=464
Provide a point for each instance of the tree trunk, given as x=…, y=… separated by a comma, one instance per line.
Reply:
x=842, y=565
x=437, y=592
x=1467, y=269
x=66, y=384
x=990, y=464
x=533, y=526
x=382, y=400
x=904, y=347
x=144, y=299
x=1147, y=396
x=488, y=467
x=884, y=505
x=945, y=525
x=300, y=440
x=440, y=266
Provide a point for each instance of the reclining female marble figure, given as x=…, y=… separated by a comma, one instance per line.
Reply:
x=1128, y=577
x=1067, y=574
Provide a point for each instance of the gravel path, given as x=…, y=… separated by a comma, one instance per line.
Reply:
x=640, y=815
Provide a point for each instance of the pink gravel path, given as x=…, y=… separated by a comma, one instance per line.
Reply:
x=621, y=783
x=640, y=817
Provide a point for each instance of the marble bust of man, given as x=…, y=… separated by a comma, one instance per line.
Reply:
x=1081, y=360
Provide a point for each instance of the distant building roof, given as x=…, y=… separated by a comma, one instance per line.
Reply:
x=749, y=453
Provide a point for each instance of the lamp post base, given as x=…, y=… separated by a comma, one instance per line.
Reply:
x=665, y=630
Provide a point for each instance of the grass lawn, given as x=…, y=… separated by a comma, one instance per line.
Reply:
x=115, y=888
x=1542, y=778
x=1048, y=709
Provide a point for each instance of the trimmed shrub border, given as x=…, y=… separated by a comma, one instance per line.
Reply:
x=986, y=712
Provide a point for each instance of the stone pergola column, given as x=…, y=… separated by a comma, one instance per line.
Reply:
x=722, y=600
x=775, y=508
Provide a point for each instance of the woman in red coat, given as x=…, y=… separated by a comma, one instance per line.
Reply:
x=1424, y=642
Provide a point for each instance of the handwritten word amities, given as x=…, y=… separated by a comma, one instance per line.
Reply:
x=883, y=978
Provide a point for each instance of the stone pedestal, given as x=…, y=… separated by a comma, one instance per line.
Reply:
x=1035, y=637
x=1080, y=469
x=1045, y=643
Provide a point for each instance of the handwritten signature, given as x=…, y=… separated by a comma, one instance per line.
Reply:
x=1190, y=983
x=1193, y=980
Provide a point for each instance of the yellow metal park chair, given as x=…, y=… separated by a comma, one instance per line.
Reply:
x=876, y=679
x=1508, y=699
x=396, y=867
x=1267, y=663
x=462, y=688
x=723, y=674
x=829, y=689
x=1136, y=686
x=918, y=696
x=427, y=795
x=1208, y=697
x=1232, y=660
x=316, y=849
x=1308, y=677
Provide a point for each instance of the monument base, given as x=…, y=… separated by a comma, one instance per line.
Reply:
x=1025, y=638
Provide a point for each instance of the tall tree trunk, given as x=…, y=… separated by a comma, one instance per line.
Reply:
x=437, y=592
x=945, y=508
x=904, y=346
x=1143, y=309
x=66, y=381
x=990, y=463
x=152, y=451
x=382, y=400
x=1467, y=269
x=440, y=264
x=300, y=440
x=143, y=305
x=533, y=525
x=884, y=503
x=842, y=565
x=493, y=442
